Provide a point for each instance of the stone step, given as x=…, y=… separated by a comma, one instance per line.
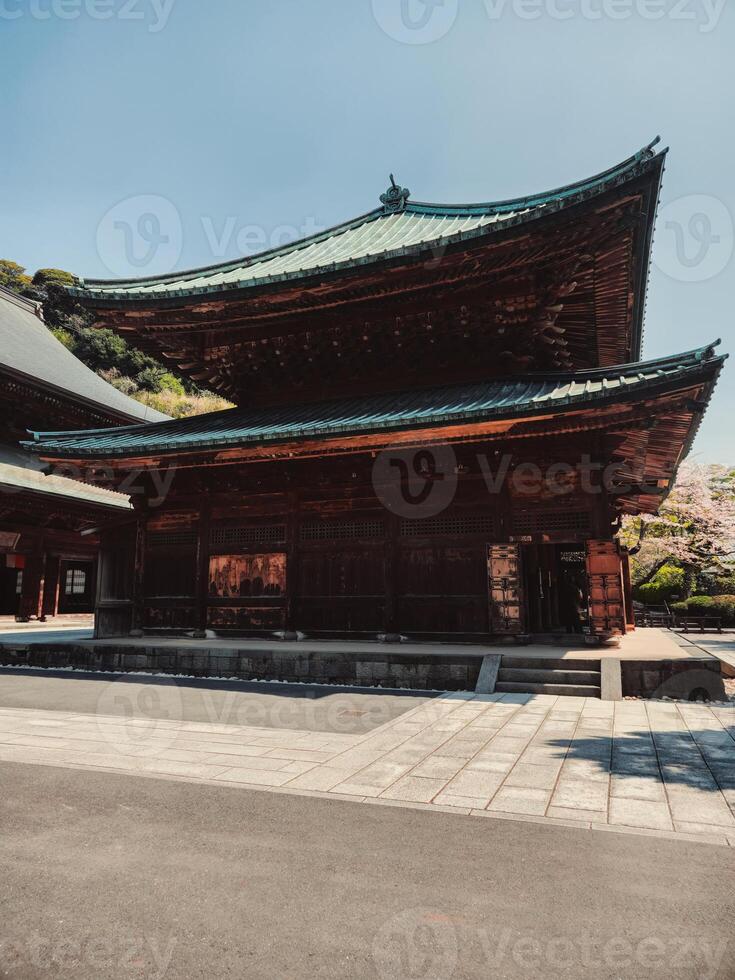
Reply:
x=566, y=690
x=539, y=675
x=549, y=663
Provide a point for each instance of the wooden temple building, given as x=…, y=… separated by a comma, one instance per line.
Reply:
x=442, y=415
x=48, y=522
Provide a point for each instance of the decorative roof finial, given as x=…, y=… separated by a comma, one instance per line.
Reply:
x=395, y=197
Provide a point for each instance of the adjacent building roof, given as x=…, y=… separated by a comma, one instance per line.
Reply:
x=30, y=351
x=437, y=407
x=399, y=227
x=20, y=472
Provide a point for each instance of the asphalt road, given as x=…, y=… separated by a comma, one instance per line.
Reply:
x=299, y=707
x=108, y=876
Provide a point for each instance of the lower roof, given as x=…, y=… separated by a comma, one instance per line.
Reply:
x=427, y=408
x=21, y=473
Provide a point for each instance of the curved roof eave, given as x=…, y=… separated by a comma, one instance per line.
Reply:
x=518, y=211
x=432, y=408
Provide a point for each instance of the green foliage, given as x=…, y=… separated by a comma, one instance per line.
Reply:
x=707, y=605
x=65, y=337
x=126, y=368
x=44, y=278
x=13, y=276
x=666, y=583
x=179, y=407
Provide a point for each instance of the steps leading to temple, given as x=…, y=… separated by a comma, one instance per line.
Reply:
x=570, y=678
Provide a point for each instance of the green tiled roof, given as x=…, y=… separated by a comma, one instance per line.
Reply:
x=400, y=227
x=397, y=411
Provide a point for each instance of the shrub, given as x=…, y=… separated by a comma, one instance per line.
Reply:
x=45, y=277
x=65, y=337
x=667, y=582
x=707, y=605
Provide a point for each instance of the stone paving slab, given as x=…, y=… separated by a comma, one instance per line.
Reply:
x=630, y=766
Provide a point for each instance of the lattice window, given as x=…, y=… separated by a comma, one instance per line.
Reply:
x=547, y=522
x=340, y=530
x=172, y=539
x=256, y=534
x=459, y=524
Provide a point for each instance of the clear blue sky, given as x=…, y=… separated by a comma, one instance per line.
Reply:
x=282, y=115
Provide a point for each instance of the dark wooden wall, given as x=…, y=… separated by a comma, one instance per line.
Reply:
x=311, y=546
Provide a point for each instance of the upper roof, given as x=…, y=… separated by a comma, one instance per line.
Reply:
x=385, y=413
x=399, y=227
x=29, y=350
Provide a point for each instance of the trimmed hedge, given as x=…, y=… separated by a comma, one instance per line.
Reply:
x=708, y=605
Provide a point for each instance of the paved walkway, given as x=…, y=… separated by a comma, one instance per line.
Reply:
x=649, y=766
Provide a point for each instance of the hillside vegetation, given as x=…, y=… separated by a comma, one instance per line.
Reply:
x=127, y=369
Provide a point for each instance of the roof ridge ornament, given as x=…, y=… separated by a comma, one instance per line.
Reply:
x=394, y=199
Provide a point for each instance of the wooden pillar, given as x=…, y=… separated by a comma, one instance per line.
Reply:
x=52, y=585
x=392, y=544
x=292, y=564
x=627, y=591
x=31, y=600
x=202, y=572
x=136, y=622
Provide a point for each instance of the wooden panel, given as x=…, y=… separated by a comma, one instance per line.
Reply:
x=604, y=572
x=248, y=617
x=342, y=589
x=505, y=589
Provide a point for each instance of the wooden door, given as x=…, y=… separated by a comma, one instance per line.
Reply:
x=505, y=589
x=605, y=586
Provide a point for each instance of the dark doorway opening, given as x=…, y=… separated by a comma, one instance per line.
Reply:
x=10, y=585
x=555, y=580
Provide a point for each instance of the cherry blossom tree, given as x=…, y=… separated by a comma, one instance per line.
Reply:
x=695, y=527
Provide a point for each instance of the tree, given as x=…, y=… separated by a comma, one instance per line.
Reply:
x=695, y=528
x=44, y=277
x=13, y=276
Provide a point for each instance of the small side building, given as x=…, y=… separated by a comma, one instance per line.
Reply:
x=49, y=522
